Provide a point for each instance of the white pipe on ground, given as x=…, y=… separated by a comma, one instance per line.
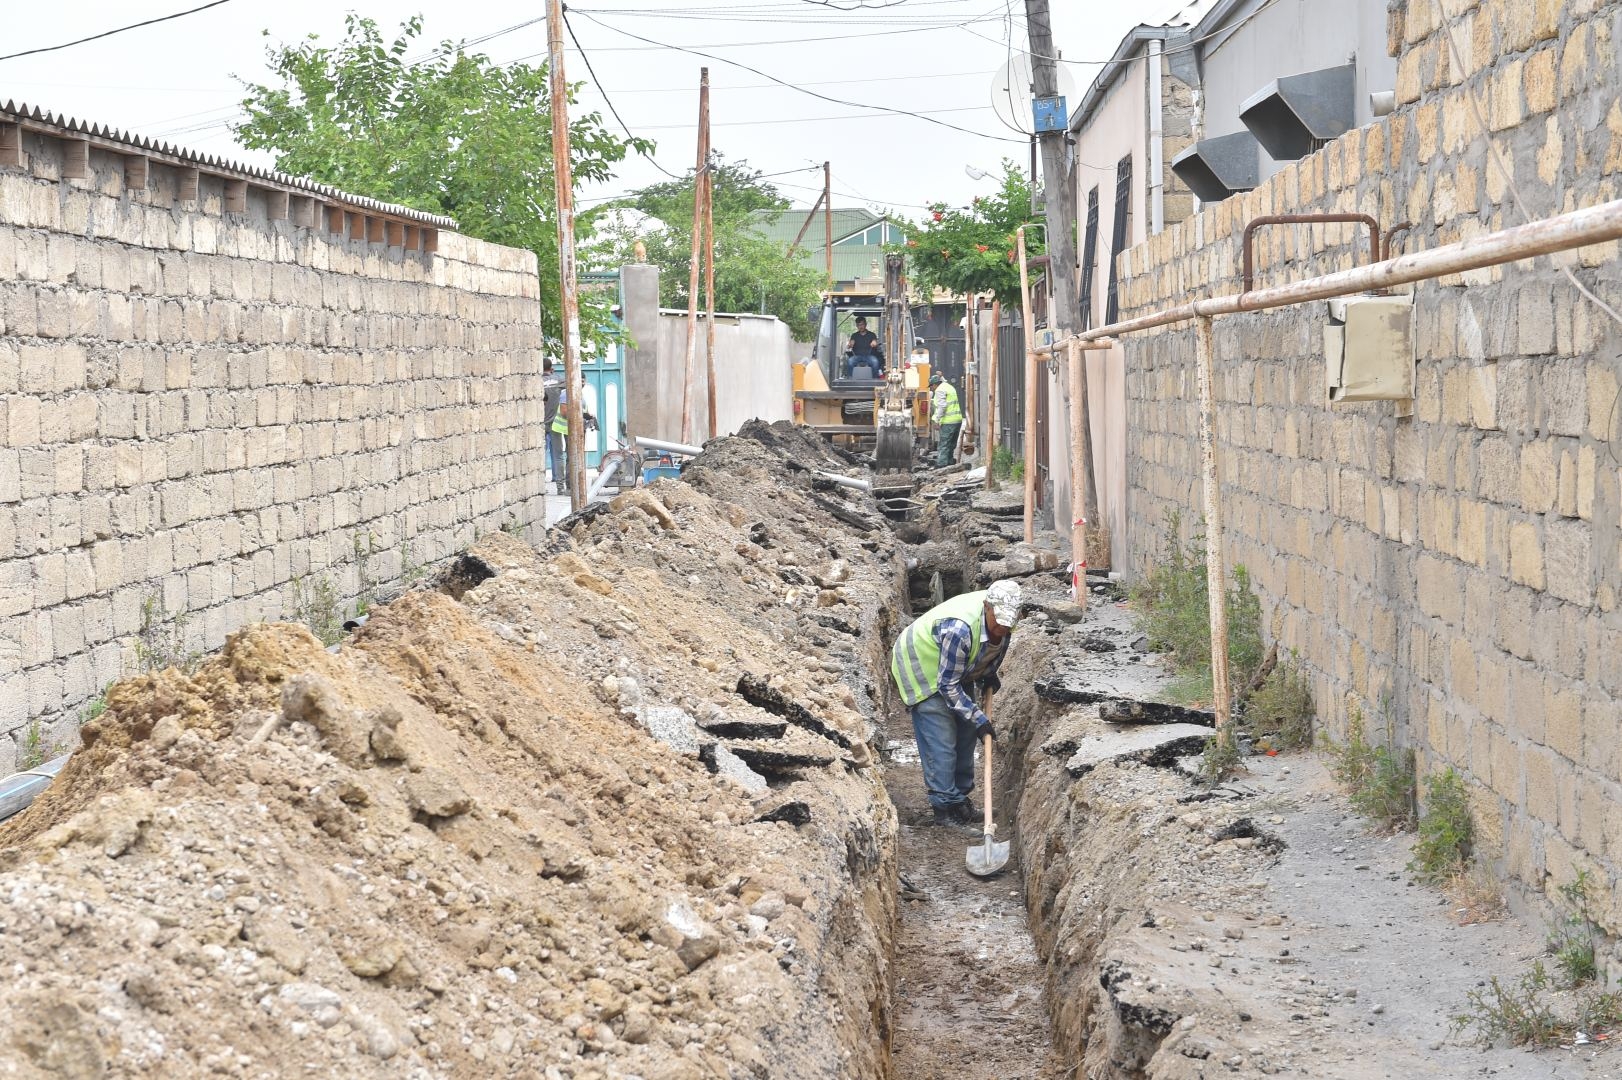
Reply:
x=602, y=480
x=852, y=482
x=669, y=447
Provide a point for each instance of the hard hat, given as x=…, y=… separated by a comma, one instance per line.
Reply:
x=935, y=378
x=1003, y=596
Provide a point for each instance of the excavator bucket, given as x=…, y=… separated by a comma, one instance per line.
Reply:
x=892, y=451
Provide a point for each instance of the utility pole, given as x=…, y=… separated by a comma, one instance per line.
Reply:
x=563, y=183
x=698, y=238
x=709, y=275
x=828, y=222
x=1059, y=199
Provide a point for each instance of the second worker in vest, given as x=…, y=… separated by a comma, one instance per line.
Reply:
x=948, y=416
x=939, y=662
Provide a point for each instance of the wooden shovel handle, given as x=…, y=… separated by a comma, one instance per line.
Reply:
x=986, y=799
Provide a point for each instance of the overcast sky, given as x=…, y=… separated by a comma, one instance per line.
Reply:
x=937, y=58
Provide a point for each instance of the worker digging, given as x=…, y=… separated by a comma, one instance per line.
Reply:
x=939, y=662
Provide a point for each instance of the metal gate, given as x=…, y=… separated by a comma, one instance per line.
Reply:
x=1011, y=411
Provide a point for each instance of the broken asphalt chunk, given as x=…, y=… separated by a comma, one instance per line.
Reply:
x=1158, y=745
x=795, y=813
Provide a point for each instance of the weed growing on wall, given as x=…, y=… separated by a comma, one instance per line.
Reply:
x=316, y=605
x=1281, y=710
x=1445, y=829
x=1573, y=942
x=410, y=569
x=365, y=547
x=1377, y=779
x=34, y=752
x=1173, y=608
x=161, y=641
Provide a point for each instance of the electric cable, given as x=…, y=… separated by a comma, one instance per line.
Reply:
x=610, y=101
x=110, y=33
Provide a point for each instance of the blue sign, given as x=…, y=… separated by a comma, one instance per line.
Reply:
x=1050, y=114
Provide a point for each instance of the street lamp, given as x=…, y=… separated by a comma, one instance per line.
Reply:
x=975, y=174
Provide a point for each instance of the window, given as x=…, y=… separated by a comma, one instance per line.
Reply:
x=1123, y=216
x=1089, y=260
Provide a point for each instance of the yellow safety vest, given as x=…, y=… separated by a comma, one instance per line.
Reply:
x=915, y=659
x=950, y=412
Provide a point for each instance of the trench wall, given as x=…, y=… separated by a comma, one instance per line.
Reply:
x=1452, y=574
x=199, y=409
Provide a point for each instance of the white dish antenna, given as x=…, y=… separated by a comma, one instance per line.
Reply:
x=1011, y=93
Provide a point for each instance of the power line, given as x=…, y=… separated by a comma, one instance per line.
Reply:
x=816, y=119
x=801, y=89
x=110, y=33
x=609, y=101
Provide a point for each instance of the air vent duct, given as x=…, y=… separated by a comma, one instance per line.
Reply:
x=1295, y=115
x=1217, y=168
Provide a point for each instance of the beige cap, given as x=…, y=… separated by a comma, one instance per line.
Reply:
x=1003, y=596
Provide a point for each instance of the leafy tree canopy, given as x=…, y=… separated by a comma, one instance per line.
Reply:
x=451, y=133
x=970, y=251
x=751, y=272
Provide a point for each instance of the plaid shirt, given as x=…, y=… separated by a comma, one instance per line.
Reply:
x=955, y=638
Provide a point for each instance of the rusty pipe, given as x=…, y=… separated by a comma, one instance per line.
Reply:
x=1303, y=219
x=1391, y=238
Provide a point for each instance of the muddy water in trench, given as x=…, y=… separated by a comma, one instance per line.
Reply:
x=968, y=987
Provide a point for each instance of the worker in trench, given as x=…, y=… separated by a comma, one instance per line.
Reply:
x=940, y=663
x=948, y=417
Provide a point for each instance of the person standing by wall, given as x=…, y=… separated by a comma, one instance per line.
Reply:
x=948, y=415
x=552, y=385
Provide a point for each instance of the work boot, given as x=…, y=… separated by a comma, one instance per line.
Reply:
x=951, y=817
x=969, y=814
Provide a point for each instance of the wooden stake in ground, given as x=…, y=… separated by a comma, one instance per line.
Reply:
x=1216, y=584
x=568, y=287
x=989, y=430
x=692, y=269
x=1078, y=469
x=707, y=182
x=966, y=437
x=1030, y=386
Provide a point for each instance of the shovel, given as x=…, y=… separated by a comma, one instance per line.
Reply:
x=987, y=857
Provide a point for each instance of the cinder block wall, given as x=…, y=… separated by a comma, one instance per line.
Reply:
x=196, y=409
x=1454, y=574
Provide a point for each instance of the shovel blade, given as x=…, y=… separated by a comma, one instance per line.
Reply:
x=987, y=857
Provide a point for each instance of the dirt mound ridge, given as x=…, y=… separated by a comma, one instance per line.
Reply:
x=455, y=848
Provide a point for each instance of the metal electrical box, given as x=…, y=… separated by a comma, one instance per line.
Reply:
x=1369, y=350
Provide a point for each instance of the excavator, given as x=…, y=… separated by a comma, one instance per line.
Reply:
x=852, y=402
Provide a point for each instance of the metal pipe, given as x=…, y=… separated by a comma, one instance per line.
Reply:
x=1030, y=386
x=601, y=482
x=1215, y=579
x=853, y=482
x=1391, y=238
x=18, y=791
x=1078, y=469
x=669, y=447
x=1157, y=170
x=1304, y=219
x=1578, y=228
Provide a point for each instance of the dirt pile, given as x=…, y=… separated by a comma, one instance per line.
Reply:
x=607, y=811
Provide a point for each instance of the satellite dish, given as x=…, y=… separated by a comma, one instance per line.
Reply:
x=1011, y=93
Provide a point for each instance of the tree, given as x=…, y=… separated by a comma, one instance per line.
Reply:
x=453, y=134
x=751, y=272
x=970, y=251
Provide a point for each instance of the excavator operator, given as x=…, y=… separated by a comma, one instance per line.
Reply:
x=864, y=348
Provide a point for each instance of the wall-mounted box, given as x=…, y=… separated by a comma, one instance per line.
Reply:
x=1369, y=350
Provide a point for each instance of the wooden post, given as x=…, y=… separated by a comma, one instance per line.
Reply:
x=692, y=268
x=1216, y=582
x=1078, y=469
x=563, y=184
x=1030, y=386
x=993, y=420
x=828, y=222
x=965, y=439
x=709, y=276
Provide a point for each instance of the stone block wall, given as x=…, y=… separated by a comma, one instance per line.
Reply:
x=1454, y=574
x=202, y=412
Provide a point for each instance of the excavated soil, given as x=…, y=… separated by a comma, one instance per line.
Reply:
x=491, y=835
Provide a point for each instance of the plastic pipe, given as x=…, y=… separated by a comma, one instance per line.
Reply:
x=602, y=480
x=17, y=792
x=669, y=447
x=851, y=482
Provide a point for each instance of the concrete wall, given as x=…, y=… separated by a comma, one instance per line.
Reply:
x=198, y=408
x=752, y=366
x=1454, y=574
x=1287, y=38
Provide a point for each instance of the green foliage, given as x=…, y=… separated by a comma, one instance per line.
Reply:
x=970, y=251
x=94, y=708
x=365, y=547
x=751, y=272
x=1281, y=708
x=1445, y=829
x=512, y=526
x=453, y=134
x=1521, y=1013
x=316, y=605
x=1173, y=606
x=160, y=643
x=1573, y=940
x=34, y=753
x=1220, y=757
x=410, y=569
x=1378, y=780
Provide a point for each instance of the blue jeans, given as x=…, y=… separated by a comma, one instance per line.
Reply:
x=872, y=363
x=946, y=748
